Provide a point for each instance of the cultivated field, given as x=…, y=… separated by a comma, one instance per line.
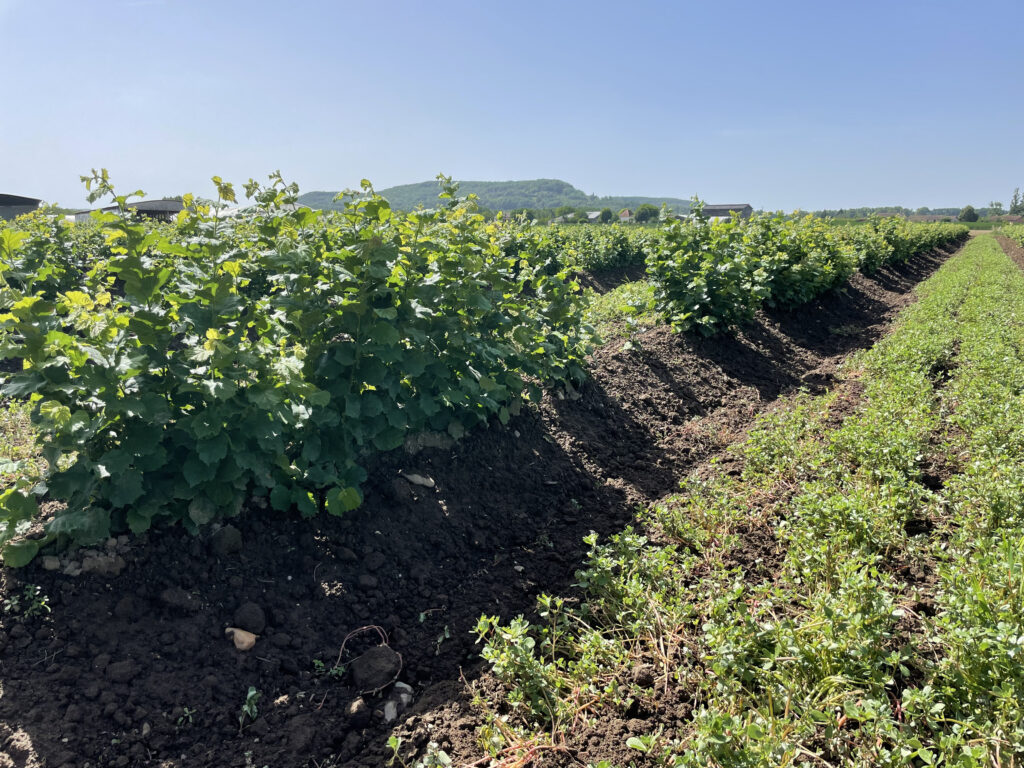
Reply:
x=765, y=514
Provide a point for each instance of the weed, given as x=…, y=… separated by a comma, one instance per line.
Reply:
x=249, y=707
x=31, y=602
x=187, y=714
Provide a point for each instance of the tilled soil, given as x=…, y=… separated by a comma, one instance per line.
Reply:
x=129, y=665
x=1012, y=249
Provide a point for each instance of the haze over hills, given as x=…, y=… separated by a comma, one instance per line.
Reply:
x=502, y=196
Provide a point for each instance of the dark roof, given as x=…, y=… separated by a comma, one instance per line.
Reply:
x=6, y=200
x=153, y=206
x=727, y=207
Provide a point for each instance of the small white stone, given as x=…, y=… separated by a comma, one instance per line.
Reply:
x=403, y=687
x=405, y=699
x=390, y=712
x=416, y=479
x=51, y=562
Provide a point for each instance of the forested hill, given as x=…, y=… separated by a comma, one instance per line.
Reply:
x=503, y=196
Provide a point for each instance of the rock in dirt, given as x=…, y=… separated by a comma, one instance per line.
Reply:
x=416, y=443
x=417, y=479
x=358, y=713
x=176, y=597
x=244, y=641
x=376, y=668
x=367, y=581
x=374, y=561
x=643, y=676
x=226, y=541
x=301, y=732
x=105, y=565
x=390, y=711
x=251, y=618
x=122, y=671
x=51, y=563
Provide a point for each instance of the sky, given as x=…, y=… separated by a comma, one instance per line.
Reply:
x=781, y=104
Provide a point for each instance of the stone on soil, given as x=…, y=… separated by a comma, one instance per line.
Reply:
x=251, y=618
x=226, y=541
x=376, y=668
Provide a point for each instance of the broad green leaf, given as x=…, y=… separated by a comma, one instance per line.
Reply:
x=341, y=500
x=17, y=554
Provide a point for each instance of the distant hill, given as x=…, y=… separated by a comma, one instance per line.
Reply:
x=502, y=196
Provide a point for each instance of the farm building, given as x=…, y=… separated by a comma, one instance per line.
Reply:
x=161, y=210
x=724, y=211
x=15, y=205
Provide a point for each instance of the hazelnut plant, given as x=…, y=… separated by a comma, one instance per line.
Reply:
x=175, y=370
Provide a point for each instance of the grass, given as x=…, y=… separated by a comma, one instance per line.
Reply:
x=624, y=310
x=854, y=596
x=19, y=454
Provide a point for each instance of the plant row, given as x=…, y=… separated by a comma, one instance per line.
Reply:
x=581, y=247
x=1015, y=232
x=714, y=274
x=177, y=370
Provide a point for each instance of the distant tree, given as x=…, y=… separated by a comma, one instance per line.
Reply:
x=995, y=209
x=922, y=211
x=967, y=213
x=606, y=215
x=564, y=210
x=1017, y=203
x=646, y=212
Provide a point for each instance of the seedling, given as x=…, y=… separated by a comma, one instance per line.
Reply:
x=320, y=669
x=186, y=716
x=31, y=602
x=249, y=707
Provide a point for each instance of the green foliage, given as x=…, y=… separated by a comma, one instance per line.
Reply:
x=1017, y=203
x=705, y=275
x=193, y=365
x=646, y=212
x=578, y=247
x=1015, y=232
x=711, y=275
x=31, y=602
x=250, y=708
x=967, y=213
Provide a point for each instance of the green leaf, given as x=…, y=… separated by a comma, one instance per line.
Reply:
x=126, y=487
x=342, y=500
x=212, y=451
x=638, y=744
x=20, y=553
x=384, y=334
x=202, y=510
x=281, y=498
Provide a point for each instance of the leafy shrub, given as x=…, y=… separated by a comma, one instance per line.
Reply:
x=706, y=275
x=711, y=275
x=193, y=366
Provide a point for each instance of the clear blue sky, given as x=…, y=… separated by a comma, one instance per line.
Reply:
x=780, y=104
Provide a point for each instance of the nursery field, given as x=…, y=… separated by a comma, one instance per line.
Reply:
x=303, y=489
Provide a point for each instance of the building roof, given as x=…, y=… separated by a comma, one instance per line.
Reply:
x=725, y=208
x=12, y=200
x=152, y=206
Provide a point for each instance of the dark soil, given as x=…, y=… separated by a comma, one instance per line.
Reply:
x=131, y=665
